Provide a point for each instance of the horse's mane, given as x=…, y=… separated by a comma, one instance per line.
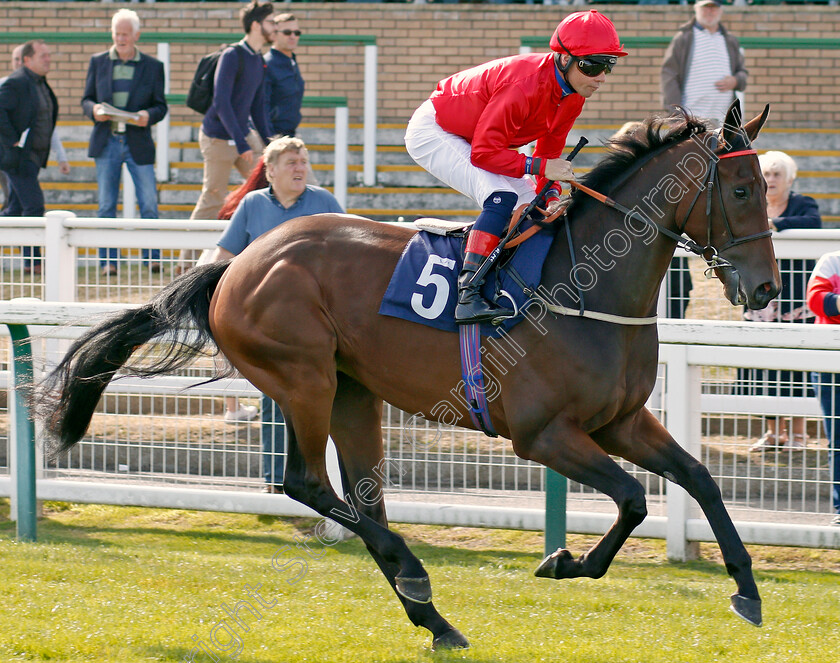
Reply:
x=633, y=142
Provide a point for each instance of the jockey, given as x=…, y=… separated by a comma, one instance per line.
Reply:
x=467, y=134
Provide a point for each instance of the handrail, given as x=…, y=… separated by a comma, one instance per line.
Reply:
x=774, y=43
x=308, y=102
x=178, y=37
x=342, y=132
x=163, y=40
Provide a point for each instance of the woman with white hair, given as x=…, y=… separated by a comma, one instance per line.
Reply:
x=785, y=209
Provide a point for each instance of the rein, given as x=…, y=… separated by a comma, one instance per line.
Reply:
x=686, y=243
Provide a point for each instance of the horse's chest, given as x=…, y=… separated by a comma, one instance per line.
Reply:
x=604, y=380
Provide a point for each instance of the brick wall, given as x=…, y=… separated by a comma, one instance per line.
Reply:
x=419, y=44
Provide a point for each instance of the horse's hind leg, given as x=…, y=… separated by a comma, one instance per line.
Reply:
x=566, y=449
x=649, y=445
x=356, y=429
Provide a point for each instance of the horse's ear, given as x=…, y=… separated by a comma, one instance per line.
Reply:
x=732, y=123
x=754, y=125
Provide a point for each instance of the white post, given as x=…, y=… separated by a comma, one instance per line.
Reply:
x=369, y=169
x=60, y=262
x=682, y=407
x=340, y=158
x=162, y=127
x=129, y=195
x=333, y=468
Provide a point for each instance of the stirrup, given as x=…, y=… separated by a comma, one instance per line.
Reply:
x=500, y=319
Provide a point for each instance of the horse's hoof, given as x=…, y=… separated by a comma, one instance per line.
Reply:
x=453, y=639
x=557, y=565
x=748, y=609
x=417, y=590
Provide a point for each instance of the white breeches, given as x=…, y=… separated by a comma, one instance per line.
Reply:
x=447, y=157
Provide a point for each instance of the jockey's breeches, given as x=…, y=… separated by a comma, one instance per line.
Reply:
x=447, y=157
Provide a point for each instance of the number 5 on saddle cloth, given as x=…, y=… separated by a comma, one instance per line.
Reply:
x=424, y=289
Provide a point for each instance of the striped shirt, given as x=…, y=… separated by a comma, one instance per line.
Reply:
x=709, y=63
x=121, y=80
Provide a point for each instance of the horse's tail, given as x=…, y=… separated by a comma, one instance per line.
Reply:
x=67, y=397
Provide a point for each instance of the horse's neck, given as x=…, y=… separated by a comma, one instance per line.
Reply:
x=620, y=262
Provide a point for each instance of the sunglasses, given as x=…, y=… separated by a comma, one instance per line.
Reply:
x=594, y=65
x=289, y=33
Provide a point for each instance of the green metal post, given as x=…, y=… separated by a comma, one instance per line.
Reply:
x=25, y=438
x=556, y=487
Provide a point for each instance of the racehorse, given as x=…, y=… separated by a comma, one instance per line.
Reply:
x=296, y=314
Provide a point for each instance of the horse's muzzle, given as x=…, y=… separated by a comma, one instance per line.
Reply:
x=763, y=295
x=735, y=291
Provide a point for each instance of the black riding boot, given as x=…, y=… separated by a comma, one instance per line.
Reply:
x=472, y=307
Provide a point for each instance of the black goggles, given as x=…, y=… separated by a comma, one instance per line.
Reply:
x=593, y=65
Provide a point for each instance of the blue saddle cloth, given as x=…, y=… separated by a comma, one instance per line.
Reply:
x=424, y=286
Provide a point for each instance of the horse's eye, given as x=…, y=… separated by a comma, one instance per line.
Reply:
x=742, y=193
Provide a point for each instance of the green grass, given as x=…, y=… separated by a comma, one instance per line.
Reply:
x=129, y=584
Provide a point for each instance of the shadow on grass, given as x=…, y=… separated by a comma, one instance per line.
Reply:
x=90, y=536
x=53, y=531
x=160, y=652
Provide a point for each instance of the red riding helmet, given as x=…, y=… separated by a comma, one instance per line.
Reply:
x=586, y=33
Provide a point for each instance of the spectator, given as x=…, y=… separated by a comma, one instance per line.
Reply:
x=288, y=196
x=131, y=81
x=28, y=112
x=703, y=65
x=226, y=137
x=785, y=209
x=283, y=82
x=55, y=141
x=823, y=297
x=234, y=412
x=466, y=133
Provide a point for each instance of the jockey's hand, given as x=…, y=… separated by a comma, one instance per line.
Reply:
x=552, y=207
x=557, y=205
x=559, y=170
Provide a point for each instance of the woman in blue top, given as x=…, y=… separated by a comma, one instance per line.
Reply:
x=786, y=210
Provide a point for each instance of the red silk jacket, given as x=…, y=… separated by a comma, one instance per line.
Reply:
x=504, y=104
x=823, y=289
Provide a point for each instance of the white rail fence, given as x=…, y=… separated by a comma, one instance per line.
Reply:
x=154, y=444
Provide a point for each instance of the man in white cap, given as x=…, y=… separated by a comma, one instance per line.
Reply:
x=703, y=65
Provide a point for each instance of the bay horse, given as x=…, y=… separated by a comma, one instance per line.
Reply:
x=296, y=314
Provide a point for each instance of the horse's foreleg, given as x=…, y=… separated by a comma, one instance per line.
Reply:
x=356, y=428
x=566, y=449
x=651, y=446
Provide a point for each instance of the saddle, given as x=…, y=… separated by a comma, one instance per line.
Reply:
x=459, y=228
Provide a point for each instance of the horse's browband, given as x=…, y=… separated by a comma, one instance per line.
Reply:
x=737, y=154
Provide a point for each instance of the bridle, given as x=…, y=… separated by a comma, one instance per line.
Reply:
x=715, y=260
x=711, y=183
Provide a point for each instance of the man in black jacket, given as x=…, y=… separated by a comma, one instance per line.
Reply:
x=28, y=112
x=131, y=81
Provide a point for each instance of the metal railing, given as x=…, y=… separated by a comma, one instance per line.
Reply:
x=152, y=443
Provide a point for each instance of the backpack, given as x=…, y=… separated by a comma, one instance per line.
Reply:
x=200, y=96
